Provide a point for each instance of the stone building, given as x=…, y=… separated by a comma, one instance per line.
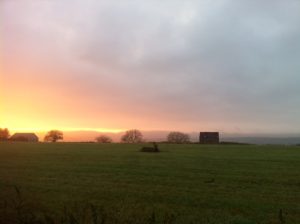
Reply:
x=209, y=138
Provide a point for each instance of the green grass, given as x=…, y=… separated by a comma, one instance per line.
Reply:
x=191, y=183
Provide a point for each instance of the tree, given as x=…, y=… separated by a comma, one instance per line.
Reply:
x=54, y=136
x=104, y=139
x=4, y=134
x=132, y=136
x=178, y=137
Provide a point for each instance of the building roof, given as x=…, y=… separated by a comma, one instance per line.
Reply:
x=24, y=135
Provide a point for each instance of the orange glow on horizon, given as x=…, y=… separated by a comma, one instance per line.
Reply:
x=30, y=105
x=16, y=129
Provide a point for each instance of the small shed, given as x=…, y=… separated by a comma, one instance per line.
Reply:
x=209, y=137
x=24, y=137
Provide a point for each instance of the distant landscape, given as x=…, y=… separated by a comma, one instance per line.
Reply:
x=285, y=139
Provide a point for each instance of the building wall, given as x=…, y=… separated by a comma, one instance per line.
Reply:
x=24, y=138
x=209, y=137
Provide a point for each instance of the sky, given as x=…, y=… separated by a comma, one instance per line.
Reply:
x=223, y=65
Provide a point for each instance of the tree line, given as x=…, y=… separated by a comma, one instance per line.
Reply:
x=136, y=136
x=130, y=136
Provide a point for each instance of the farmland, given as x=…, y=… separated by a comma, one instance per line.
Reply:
x=188, y=183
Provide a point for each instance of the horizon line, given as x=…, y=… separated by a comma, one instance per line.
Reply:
x=116, y=131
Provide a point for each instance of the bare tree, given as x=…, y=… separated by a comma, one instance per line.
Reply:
x=4, y=134
x=104, y=139
x=132, y=136
x=54, y=136
x=178, y=137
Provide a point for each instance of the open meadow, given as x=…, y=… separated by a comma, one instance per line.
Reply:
x=115, y=183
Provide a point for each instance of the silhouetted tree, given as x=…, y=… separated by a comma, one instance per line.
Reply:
x=4, y=134
x=104, y=139
x=54, y=136
x=132, y=136
x=178, y=137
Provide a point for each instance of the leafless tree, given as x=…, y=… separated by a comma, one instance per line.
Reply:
x=132, y=136
x=104, y=139
x=178, y=137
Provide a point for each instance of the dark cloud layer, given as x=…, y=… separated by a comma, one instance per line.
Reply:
x=231, y=65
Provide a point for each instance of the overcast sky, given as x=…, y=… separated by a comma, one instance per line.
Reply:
x=224, y=65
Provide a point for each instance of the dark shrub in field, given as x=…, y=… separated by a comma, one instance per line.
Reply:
x=150, y=149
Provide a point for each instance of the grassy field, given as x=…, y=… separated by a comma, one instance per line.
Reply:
x=182, y=184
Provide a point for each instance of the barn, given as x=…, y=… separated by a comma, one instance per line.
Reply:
x=209, y=137
x=24, y=137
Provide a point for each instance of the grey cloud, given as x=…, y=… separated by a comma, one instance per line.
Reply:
x=230, y=60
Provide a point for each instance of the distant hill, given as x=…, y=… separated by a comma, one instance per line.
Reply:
x=266, y=140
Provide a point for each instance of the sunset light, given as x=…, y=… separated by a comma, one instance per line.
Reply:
x=150, y=112
x=98, y=72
